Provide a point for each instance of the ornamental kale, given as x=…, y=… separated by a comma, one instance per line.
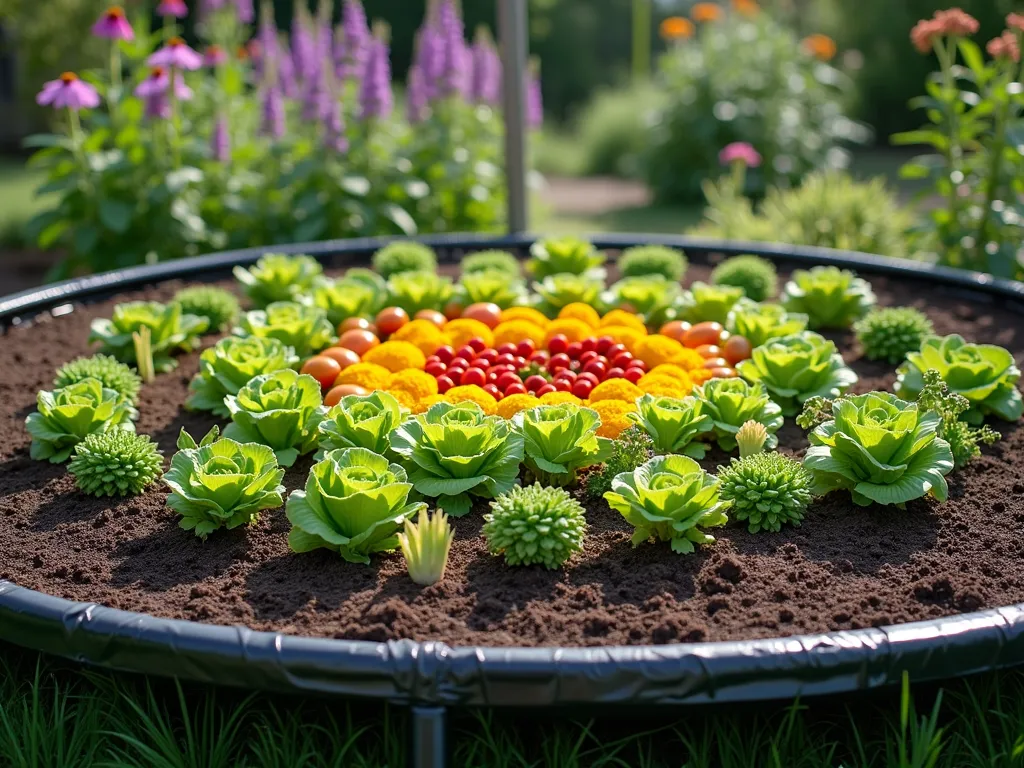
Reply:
x=413, y=291
x=218, y=306
x=669, y=498
x=232, y=363
x=305, y=329
x=675, y=424
x=566, y=255
x=360, y=421
x=755, y=275
x=559, y=440
x=354, y=503
x=404, y=256
x=758, y=323
x=494, y=286
x=455, y=451
x=491, y=261
x=558, y=291
x=65, y=417
x=341, y=299
x=730, y=403
x=767, y=490
x=983, y=373
x=831, y=297
x=645, y=260
x=278, y=277
x=650, y=297
x=535, y=525
x=883, y=449
x=796, y=368
x=110, y=373
x=115, y=463
x=281, y=410
x=709, y=302
x=170, y=331
x=221, y=483
x=892, y=333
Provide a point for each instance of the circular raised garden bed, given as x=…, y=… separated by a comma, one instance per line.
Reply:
x=847, y=601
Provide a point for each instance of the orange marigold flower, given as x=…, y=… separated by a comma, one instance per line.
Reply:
x=413, y=385
x=666, y=386
x=616, y=389
x=423, y=405
x=473, y=394
x=700, y=375
x=513, y=404
x=514, y=331
x=369, y=376
x=614, y=416
x=396, y=356
x=580, y=311
x=671, y=370
x=1004, y=47
x=622, y=317
x=676, y=28
x=462, y=330
x=423, y=333
x=820, y=46
x=746, y=7
x=627, y=336
x=558, y=398
x=657, y=349
x=525, y=313
x=572, y=329
x=702, y=12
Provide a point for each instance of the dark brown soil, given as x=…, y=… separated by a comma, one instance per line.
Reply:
x=845, y=568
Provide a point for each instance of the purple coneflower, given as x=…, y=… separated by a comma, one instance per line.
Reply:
x=174, y=8
x=113, y=25
x=68, y=91
x=211, y=6
x=375, y=98
x=534, y=101
x=740, y=152
x=272, y=117
x=416, y=98
x=214, y=56
x=175, y=54
x=220, y=141
x=246, y=12
x=358, y=40
x=157, y=83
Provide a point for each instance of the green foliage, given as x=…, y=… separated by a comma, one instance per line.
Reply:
x=65, y=417
x=413, y=291
x=354, y=503
x=884, y=450
x=454, y=452
x=709, y=302
x=171, y=331
x=345, y=298
x=962, y=438
x=767, y=490
x=404, y=256
x=983, y=373
x=650, y=296
x=535, y=525
x=829, y=296
x=629, y=450
x=564, y=255
x=278, y=277
x=494, y=286
x=731, y=403
x=108, y=371
x=796, y=368
x=115, y=463
x=891, y=333
x=643, y=260
x=305, y=329
x=281, y=410
x=759, y=323
x=613, y=128
x=557, y=291
x=360, y=421
x=559, y=440
x=232, y=363
x=756, y=276
x=669, y=498
x=425, y=546
x=217, y=305
x=491, y=261
x=221, y=483
x=675, y=424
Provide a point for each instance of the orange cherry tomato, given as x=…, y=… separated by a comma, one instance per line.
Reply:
x=333, y=397
x=359, y=342
x=322, y=368
x=723, y=373
x=675, y=329
x=736, y=349
x=432, y=316
x=343, y=357
x=453, y=310
x=708, y=351
x=390, y=319
x=356, y=324
x=487, y=313
x=716, y=362
x=703, y=333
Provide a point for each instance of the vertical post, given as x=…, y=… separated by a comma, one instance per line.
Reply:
x=428, y=738
x=641, y=39
x=513, y=33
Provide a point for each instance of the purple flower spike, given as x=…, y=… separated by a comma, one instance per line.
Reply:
x=176, y=54
x=740, y=152
x=214, y=56
x=68, y=91
x=416, y=98
x=534, y=102
x=485, y=84
x=174, y=8
x=272, y=117
x=246, y=12
x=157, y=83
x=220, y=141
x=375, y=98
x=304, y=59
x=334, y=129
x=286, y=73
x=358, y=40
x=454, y=75
x=211, y=6
x=316, y=100
x=113, y=25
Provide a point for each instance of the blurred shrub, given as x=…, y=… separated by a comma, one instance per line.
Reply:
x=613, y=129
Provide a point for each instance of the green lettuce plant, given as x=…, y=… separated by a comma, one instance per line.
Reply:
x=535, y=525
x=643, y=260
x=455, y=451
x=766, y=490
x=281, y=410
x=565, y=255
x=341, y=299
x=759, y=323
x=557, y=291
x=360, y=421
x=413, y=291
x=170, y=332
x=675, y=424
x=492, y=261
x=629, y=450
x=755, y=275
x=305, y=329
x=232, y=363
x=559, y=440
x=65, y=417
x=650, y=296
x=983, y=373
x=669, y=498
x=218, y=306
x=884, y=450
x=371, y=280
x=404, y=256
x=893, y=332
x=277, y=277
x=494, y=286
x=115, y=463
x=798, y=367
x=221, y=483
x=731, y=403
x=705, y=302
x=354, y=503
x=110, y=373
x=829, y=296
x=425, y=546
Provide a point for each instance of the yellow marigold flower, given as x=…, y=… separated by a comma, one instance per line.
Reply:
x=424, y=405
x=820, y=46
x=396, y=356
x=627, y=336
x=423, y=333
x=473, y=394
x=558, y=398
x=572, y=329
x=657, y=349
x=412, y=385
x=369, y=376
x=513, y=404
x=706, y=12
x=700, y=375
x=613, y=415
x=616, y=389
x=676, y=28
x=622, y=317
x=462, y=330
x=669, y=370
x=514, y=331
x=580, y=311
x=677, y=385
x=525, y=313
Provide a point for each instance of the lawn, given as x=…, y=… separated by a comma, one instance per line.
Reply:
x=18, y=202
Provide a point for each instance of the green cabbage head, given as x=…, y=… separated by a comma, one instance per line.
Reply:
x=831, y=297
x=675, y=424
x=341, y=299
x=281, y=410
x=170, y=331
x=730, y=403
x=232, y=363
x=360, y=421
x=65, y=417
x=305, y=329
x=355, y=503
x=560, y=439
x=557, y=291
x=798, y=367
x=414, y=291
x=650, y=296
x=759, y=323
x=983, y=373
x=495, y=286
x=709, y=303
x=278, y=277
x=454, y=452
x=883, y=449
x=669, y=498
x=565, y=255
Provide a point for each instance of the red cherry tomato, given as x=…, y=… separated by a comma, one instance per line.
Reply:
x=515, y=389
x=622, y=360
x=702, y=333
x=487, y=313
x=597, y=368
x=558, y=344
x=724, y=373
x=633, y=375
x=453, y=310
x=343, y=357
x=592, y=378
x=590, y=354
x=563, y=385
x=390, y=319
x=466, y=352
x=708, y=351
x=508, y=348
x=432, y=316
x=507, y=380
x=493, y=391
x=435, y=369
x=567, y=374
x=473, y=376
x=638, y=364
x=574, y=350
x=737, y=349
x=333, y=397
x=506, y=359
x=675, y=329
x=603, y=343
x=356, y=324
x=477, y=344
x=444, y=383
x=589, y=344
x=582, y=388
x=540, y=356
x=490, y=355
x=545, y=389
x=445, y=354
x=322, y=368
x=615, y=373
x=558, y=362
x=358, y=341
x=525, y=348
x=614, y=351
x=716, y=362
x=535, y=382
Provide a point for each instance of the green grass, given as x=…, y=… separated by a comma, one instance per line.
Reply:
x=17, y=198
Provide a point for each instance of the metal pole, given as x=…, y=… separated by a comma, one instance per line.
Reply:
x=429, y=749
x=513, y=33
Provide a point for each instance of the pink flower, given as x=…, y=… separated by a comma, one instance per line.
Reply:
x=1004, y=47
x=1015, y=21
x=740, y=152
x=175, y=8
x=113, y=25
x=68, y=91
x=956, y=22
x=158, y=82
x=214, y=55
x=176, y=54
x=924, y=33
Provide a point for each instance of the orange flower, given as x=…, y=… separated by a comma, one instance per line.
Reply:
x=702, y=12
x=746, y=7
x=676, y=28
x=513, y=404
x=820, y=46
